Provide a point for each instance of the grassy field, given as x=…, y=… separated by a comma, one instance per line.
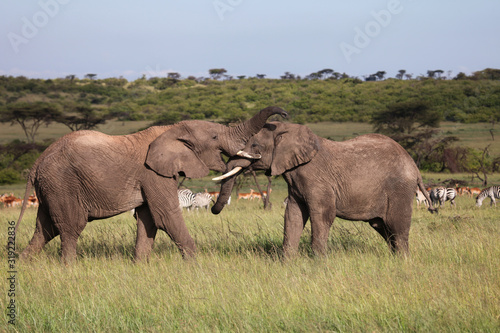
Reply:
x=56, y=130
x=470, y=135
x=239, y=282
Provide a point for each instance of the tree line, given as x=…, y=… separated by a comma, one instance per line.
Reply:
x=388, y=103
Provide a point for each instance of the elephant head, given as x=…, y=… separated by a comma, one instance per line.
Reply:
x=192, y=148
x=278, y=147
x=88, y=175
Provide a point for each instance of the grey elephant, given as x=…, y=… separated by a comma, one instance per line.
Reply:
x=370, y=178
x=88, y=175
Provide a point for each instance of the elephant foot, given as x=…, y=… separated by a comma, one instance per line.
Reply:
x=141, y=255
x=27, y=255
x=290, y=253
x=188, y=253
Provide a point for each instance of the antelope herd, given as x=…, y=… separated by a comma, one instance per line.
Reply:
x=439, y=195
x=252, y=195
x=187, y=199
x=10, y=200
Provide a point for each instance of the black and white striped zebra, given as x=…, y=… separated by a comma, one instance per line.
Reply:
x=492, y=192
x=441, y=195
x=421, y=198
x=202, y=200
x=186, y=198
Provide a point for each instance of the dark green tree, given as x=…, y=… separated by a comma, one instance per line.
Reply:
x=167, y=118
x=216, y=73
x=288, y=76
x=82, y=117
x=401, y=74
x=326, y=73
x=380, y=75
x=414, y=126
x=439, y=72
x=405, y=118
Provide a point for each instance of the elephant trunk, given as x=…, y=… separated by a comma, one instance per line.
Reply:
x=225, y=192
x=227, y=183
x=239, y=135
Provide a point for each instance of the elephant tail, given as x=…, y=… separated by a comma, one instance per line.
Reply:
x=426, y=195
x=29, y=185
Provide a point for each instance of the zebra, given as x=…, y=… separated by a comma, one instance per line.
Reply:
x=202, y=199
x=441, y=195
x=435, y=194
x=421, y=198
x=186, y=198
x=492, y=192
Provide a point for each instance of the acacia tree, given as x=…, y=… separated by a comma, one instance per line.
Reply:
x=82, y=117
x=30, y=116
x=217, y=73
x=482, y=164
x=380, y=75
x=414, y=126
x=405, y=118
x=401, y=74
x=326, y=73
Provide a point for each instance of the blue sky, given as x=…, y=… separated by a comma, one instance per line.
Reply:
x=54, y=38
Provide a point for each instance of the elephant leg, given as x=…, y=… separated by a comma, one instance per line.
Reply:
x=395, y=232
x=146, y=233
x=296, y=216
x=45, y=231
x=322, y=218
x=161, y=196
x=69, y=239
x=379, y=225
x=176, y=229
x=70, y=223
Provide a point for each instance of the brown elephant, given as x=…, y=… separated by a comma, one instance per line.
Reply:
x=370, y=178
x=88, y=175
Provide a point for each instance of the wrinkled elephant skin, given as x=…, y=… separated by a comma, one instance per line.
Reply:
x=87, y=175
x=369, y=178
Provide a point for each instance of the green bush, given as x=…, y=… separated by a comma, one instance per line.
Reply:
x=9, y=176
x=473, y=99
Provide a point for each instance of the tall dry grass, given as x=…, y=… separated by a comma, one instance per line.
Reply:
x=240, y=283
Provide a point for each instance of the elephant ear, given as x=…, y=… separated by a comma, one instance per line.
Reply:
x=293, y=146
x=169, y=154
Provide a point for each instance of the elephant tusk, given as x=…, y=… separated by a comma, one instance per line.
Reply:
x=226, y=175
x=241, y=153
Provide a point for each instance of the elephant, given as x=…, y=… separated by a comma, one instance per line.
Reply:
x=87, y=175
x=370, y=178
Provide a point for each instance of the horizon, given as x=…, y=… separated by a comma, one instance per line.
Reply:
x=55, y=38
x=447, y=75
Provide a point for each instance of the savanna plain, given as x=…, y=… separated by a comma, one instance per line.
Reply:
x=239, y=281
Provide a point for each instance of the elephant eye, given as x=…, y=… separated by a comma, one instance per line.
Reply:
x=279, y=137
x=214, y=137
